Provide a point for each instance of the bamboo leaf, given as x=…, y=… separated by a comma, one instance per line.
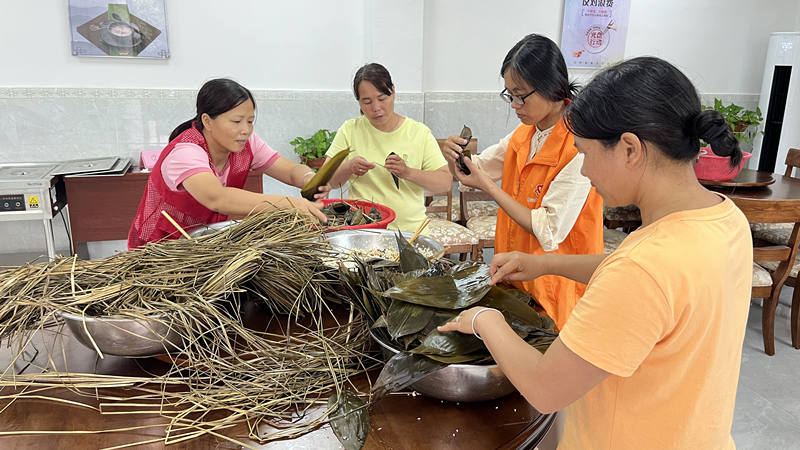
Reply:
x=350, y=419
x=449, y=344
x=410, y=259
x=457, y=290
x=407, y=318
x=402, y=370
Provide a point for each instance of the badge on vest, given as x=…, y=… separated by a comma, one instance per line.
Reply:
x=538, y=191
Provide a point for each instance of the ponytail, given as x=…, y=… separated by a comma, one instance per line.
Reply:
x=183, y=127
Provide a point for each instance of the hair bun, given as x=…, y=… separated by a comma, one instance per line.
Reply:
x=710, y=126
x=714, y=132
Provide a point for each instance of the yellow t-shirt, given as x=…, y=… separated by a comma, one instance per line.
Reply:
x=414, y=143
x=665, y=314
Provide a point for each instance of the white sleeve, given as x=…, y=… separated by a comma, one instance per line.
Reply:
x=561, y=205
x=490, y=160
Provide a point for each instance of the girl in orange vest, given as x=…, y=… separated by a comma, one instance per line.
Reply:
x=546, y=205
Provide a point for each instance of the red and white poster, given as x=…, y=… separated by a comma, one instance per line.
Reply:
x=594, y=32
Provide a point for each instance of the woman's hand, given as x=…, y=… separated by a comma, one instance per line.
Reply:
x=451, y=149
x=477, y=177
x=516, y=266
x=396, y=165
x=310, y=208
x=323, y=192
x=463, y=322
x=359, y=166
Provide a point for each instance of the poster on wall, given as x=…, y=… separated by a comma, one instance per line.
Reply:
x=124, y=28
x=594, y=32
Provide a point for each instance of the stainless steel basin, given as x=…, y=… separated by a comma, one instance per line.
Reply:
x=125, y=336
x=460, y=382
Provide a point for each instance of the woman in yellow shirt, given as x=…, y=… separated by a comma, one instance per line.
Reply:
x=383, y=143
x=650, y=357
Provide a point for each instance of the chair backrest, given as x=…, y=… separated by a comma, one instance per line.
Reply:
x=792, y=161
x=774, y=211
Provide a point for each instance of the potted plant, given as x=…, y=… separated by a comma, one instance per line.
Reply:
x=744, y=125
x=743, y=122
x=312, y=150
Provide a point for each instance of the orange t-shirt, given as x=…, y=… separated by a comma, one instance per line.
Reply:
x=665, y=314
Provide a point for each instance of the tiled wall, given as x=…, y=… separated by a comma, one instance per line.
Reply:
x=52, y=124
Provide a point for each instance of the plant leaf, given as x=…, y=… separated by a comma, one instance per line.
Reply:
x=410, y=259
x=456, y=290
x=402, y=370
x=407, y=318
x=523, y=317
x=449, y=344
x=349, y=419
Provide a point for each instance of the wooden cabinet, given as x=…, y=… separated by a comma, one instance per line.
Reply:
x=103, y=208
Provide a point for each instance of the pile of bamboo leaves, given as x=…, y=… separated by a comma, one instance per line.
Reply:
x=405, y=309
x=254, y=377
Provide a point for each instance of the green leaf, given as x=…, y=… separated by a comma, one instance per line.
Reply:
x=407, y=318
x=402, y=370
x=349, y=419
x=462, y=287
x=448, y=344
x=410, y=259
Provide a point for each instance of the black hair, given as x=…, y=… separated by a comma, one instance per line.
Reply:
x=538, y=62
x=375, y=74
x=652, y=99
x=215, y=97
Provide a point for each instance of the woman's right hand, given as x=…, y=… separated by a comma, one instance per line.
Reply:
x=516, y=266
x=310, y=208
x=451, y=149
x=359, y=166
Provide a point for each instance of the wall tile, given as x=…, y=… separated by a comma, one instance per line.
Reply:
x=57, y=124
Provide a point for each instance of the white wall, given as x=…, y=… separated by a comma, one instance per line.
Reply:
x=720, y=44
x=434, y=45
x=298, y=44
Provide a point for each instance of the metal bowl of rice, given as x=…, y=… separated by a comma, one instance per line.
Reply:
x=378, y=243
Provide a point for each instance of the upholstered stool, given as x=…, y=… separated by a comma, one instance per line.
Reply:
x=477, y=208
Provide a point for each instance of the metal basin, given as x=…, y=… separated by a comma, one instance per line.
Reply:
x=460, y=382
x=125, y=337
x=202, y=230
x=380, y=239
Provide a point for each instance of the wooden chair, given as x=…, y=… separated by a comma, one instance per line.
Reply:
x=484, y=225
x=476, y=208
x=628, y=217
x=780, y=255
x=781, y=233
x=612, y=238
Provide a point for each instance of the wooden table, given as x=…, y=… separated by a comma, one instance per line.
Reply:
x=745, y=178
x=399, y=421
x=103, y=208
x=784, y=188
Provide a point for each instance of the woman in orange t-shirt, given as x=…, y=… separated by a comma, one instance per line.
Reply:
x=650, y=356
x=546, y=205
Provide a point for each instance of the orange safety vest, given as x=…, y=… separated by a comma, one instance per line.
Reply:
x=527, y=182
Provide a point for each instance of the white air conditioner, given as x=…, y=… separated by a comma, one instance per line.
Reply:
x=780, y=104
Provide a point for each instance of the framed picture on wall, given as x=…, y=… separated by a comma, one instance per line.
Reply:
x=122, y=28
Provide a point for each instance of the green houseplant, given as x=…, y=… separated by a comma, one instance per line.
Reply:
x=743, y=122
x=312, y=150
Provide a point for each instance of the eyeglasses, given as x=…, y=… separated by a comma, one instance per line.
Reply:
x=520, y=100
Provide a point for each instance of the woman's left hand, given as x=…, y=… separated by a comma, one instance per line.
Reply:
x=477, y=177
x=463, y=322
x=396, y=165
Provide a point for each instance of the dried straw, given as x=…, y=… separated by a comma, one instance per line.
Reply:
x=259, y=378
